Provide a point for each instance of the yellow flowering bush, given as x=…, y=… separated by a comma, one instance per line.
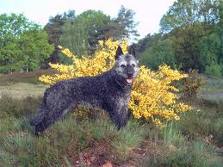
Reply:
x=153, y=97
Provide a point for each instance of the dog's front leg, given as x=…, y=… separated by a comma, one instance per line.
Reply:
x=124, y=116
x=118, y=114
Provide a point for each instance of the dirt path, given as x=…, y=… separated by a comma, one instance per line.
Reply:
x=213, y=96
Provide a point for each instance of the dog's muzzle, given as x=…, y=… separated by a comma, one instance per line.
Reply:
x=129, y=80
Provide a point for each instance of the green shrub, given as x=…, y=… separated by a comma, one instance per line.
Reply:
x=192, y=84
x=214, y=69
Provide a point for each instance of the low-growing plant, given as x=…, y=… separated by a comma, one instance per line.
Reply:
x=172, y=136
x=214, y=69
x=127, y=139
x=195, y=154
x=192, y=84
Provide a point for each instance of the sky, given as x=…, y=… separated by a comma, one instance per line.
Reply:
x=147, y=12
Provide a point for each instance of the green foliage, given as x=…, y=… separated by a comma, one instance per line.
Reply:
x=23, y=45
x=214, y=69
x=82, y=33
x=205, y=122
x=193, y=156
x=186, y=45
x=178, y=151
x=190, y=38
x=54, y=31
x=172, y=136
x=66, y=139
x=161, y=52
x=127, y=24
x=55, y=24
x=35, y=49
x=188, y=12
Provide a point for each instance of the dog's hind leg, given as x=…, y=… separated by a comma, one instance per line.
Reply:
x=50, y=117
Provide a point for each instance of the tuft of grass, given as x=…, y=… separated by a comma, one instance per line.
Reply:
x=16, y=149
x=195, y=153
x=206, y=122
x=128, y=138
x=172, y=136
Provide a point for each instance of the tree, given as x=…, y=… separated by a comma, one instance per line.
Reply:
x=54, y=31
x=188, y=12
x=34, y=48
x=160, y=52
x=192, y=24
x=82, y=34
x=23, y=44
x=127, y=23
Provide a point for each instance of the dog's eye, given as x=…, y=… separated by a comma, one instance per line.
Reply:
x=133, y=65
x=123, y=65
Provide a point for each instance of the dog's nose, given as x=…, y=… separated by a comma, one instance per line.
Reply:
x=130, y=71
x=130, y=75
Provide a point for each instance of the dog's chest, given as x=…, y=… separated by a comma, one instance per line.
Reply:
x=119, y=99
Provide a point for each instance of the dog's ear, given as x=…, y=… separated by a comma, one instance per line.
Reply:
x=131, y=50
x=119, y=52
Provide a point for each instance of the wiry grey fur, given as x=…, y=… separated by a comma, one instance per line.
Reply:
x=109, y=91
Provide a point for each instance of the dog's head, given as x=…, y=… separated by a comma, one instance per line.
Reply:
x=126, y=65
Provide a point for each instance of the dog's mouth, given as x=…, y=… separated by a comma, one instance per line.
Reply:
x=129, y=80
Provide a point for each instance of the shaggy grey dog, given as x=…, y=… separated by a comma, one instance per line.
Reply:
x=109, y=91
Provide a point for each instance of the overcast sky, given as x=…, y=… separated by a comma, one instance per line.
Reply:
x=148, y=12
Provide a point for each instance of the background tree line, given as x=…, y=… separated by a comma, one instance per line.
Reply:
x=25, y=46
x=190, y=37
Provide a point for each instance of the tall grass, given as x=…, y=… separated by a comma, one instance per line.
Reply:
x=179, y=151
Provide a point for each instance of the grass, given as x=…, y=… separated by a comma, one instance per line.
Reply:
x=22, y=90
x=65, y=141
x=180, y=151
x=212, y=90
x=21, y=85
x=94, y=141
x=212, y=84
